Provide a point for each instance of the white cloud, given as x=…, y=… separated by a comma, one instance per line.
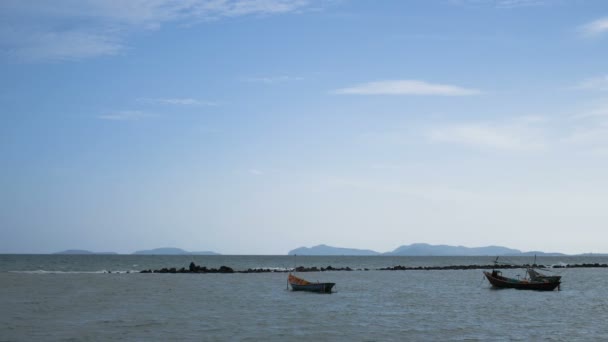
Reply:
x=227, y=8
x=594, y=83
x=406, y=87
x=61, y=46
x=77, y=29
x=595, y=28
x=150, y=13
x=485, y=135
x=124, y=115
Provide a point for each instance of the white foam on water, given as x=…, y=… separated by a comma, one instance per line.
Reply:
x=74, y=272
x=274, y=269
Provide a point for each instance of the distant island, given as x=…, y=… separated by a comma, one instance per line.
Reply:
x=421, y=249
x=155, y=251
x=416, y=249
x=172, y=251
x=328, y=250
x=82, y=252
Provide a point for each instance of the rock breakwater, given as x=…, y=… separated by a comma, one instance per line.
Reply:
x=193, y=268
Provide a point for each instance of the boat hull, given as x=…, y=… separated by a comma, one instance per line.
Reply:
x=319, y=287
x=509, y=283
x=299, y=284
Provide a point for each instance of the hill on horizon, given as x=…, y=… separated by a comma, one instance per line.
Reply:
x=155, y=251
x=171, y=251
x=421, y=249
x=81, y=252
x=329, y=250
x=425, y=249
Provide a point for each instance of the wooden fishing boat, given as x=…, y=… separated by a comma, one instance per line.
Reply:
x=537, y=276
x=497, y=280
x=299, y=284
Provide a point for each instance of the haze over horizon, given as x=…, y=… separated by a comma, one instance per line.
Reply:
x=259, y=126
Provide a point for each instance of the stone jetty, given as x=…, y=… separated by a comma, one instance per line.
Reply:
x=193, y=268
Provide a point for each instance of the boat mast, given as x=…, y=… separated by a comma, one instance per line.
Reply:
x=294, y=269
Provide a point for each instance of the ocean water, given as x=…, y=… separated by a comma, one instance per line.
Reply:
x=75, y=298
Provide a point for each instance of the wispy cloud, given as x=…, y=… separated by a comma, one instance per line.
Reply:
x=234, y=8
x=406, y=87
x=134, y=115
x=505, y=4
x=31, y=46
x=589, y=130
x=595, y=28
x=594, y=83
x=72, y=30
x=584, y=133
x=489, y=135
x=124, y=115
x=519, y=3
x=178, y=101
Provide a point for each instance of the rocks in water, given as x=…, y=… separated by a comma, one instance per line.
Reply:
x=225, y=269
x=595, y=265
x=193, y=268
x=446, y=268
x=322, y=269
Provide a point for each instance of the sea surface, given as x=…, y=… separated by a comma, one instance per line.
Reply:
x=103, y=297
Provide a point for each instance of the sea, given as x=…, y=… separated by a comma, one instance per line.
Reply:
x=105, y=298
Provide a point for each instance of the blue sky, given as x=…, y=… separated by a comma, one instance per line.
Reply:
x=255, y=127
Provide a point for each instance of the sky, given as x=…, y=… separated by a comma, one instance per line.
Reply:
x=260, y=126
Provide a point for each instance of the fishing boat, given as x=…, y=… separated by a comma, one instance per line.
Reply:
x=537, y=276
x=534, y=281
x=299, y=284
x=540, y=284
